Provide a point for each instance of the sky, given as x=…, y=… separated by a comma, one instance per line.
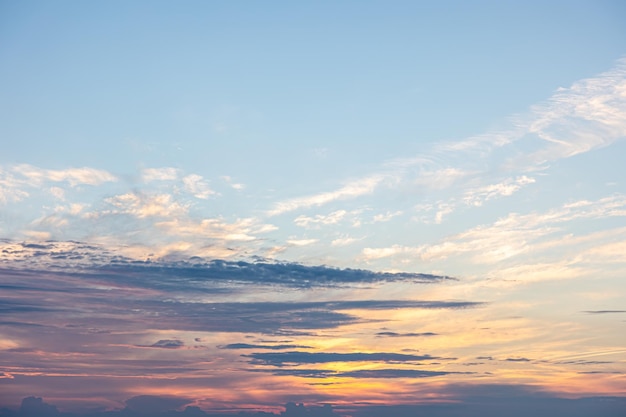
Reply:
x=323, y=209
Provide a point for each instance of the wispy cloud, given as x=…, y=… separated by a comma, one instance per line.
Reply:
x=143, y=205
x=352, y=189
x=159, y=174
x=197, y=186
x=74, y=176
x=298, y=358
x=509, y=236
x=319, y=219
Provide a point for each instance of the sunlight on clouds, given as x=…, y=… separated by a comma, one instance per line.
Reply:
x=36, y=235
x=239, y=230
x=197, y=186
x=11, y=195
x=74, y=176
x=142, y=205
x=588, y=115
x=509, y=236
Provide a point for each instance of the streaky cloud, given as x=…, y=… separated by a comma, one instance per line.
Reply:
x=391, y=373
x=269, y=347
x=299, y=358
x=194, y=272
x=394, y=334
x=605, y=311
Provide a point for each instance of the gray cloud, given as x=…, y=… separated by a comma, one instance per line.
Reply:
x=395, y=373
x=168, y=344
x=194, y=273
x=469, y=401
x=270, y=347
x=604, y=311
x=298, y=358
x=394, y=334
x=155, y=404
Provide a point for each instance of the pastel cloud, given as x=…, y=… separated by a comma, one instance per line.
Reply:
x=73, y=176
x=197, y=186
x=509, y=236
x=144, y=205
x=160, y=174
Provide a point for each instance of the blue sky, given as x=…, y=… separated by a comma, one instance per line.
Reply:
x=447, y=152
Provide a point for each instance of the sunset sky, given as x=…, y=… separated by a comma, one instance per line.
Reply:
x=387, y=208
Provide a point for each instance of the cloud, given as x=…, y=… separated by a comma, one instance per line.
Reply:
x=605, y=311
x=144, y=205
x=234, y=185
x=35, y=406
x=394, y=373
x=270, y=347
x=155, y=404
x=11, y=188
x=301, y=242
x=159, y=174
x=352, y=189
x=394, y=334
x=74, y=176
x=385, y=217
x=314, y=222
x=441, y=178
x=215, y=228
x=478, y=196
x=486, y=400
x=509, y=236
x=343, y=241
x=391, y=373
x=168, y=344
x=197, y=186
x=299, y=358
x=589, y=114
x=193, y=273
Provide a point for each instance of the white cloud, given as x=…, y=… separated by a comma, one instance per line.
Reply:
x=508, y=237
x=441, y=178
x=58, y=192
x=309, y=222
x=74, y=176
x=143, y=205
x=216, y=228
x=11, y=195
x=443, y=209
x=234, y=185
x=477, y=196
x=351, y=190
x=159, y=174
x=385, y=217
x=197, y=186
x=378, y=253
x=301, y=242
x=343, y=241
